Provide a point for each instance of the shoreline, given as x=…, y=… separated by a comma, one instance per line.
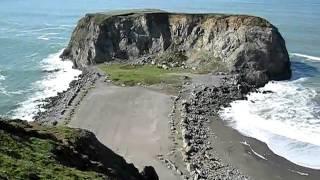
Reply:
x=233, y=165
x=225, y=148
x=254, y=157
x=193, y=114
x=60, y=108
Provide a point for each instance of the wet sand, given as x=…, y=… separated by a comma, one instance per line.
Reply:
x=253, y=157
x=132, y=121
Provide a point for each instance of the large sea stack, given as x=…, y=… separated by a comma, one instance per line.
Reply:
x=248, y=45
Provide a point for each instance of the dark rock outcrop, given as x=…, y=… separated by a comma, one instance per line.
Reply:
x=35, y=151
x=149, y=173
x=244, y=44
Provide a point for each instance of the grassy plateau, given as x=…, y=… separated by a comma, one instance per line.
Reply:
x=144, y=74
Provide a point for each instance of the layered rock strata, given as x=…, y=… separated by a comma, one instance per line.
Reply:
x=241, y=44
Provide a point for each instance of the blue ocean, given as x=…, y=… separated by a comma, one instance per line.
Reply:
x=34, y=32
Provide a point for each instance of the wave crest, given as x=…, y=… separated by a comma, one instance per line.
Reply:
x=308, y=57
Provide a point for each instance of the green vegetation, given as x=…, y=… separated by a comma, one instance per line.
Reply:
x=30, y=157
x=258, y=21
x=34, y=151
x=101, y=17
x=145, y=74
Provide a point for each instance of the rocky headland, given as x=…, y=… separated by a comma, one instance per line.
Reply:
x=154, y=82
x=248, y=45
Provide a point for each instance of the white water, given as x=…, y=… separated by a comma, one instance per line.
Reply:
x=56, y=81
x=288, y=120
x=253, y=151
x=313, y=58
x=2, y=88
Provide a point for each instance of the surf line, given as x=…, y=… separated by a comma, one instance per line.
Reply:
x=314, y=58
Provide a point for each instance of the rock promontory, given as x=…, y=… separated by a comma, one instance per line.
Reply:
x=247, y=45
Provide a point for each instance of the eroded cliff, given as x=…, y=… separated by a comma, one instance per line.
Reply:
x=244, y=44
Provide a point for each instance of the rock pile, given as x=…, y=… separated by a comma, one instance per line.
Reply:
x=197, y=106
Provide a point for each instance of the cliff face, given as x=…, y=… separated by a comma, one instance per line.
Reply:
x=32, y=151
x=246, y=44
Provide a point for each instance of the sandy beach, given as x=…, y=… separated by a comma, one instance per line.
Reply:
x=254, y=157
x=132, y=121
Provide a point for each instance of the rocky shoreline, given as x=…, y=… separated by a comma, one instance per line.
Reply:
x=250, y=50
x=60, y=108
x=193, y=154
x=196, y=109
x=193, y=109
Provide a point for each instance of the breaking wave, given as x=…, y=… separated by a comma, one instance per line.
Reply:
x=61, y=74
x=287, y=120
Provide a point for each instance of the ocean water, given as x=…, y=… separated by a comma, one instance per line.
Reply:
x=33, y=33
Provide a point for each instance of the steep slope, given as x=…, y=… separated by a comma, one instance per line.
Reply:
x=244, y=44
x=32, y=151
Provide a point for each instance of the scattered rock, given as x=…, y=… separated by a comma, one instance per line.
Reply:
x=59, y=107
x=197, y=105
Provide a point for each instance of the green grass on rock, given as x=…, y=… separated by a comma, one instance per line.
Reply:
x=31, y=157
x=144, y=74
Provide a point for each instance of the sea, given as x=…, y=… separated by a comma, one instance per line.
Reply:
x=34, y=32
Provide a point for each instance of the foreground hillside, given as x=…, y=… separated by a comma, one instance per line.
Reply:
x=31, y=151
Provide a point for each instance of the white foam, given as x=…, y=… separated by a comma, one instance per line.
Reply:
x=49, y=86
x=48, y=36
x=308, y=57
x=253, y=151
x=32, y=55
x=68, y=25
x=298, y=172
x=43, y=38
x=288, y=120
x=2, y=77
x=2, y=88
x=44, y=29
